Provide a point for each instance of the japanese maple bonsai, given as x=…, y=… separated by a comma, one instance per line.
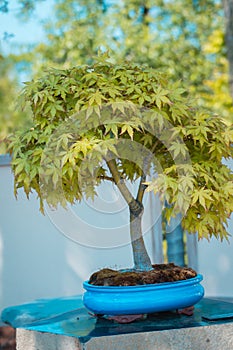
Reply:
x=119, y=122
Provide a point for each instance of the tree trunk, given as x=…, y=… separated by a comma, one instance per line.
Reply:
x=140, y=256
x=228, y=11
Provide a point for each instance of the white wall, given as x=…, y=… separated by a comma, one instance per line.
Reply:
x=38, y=261
x=215, y=260
x=216, y=265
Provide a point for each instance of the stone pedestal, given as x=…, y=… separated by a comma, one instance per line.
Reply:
x=204, y=338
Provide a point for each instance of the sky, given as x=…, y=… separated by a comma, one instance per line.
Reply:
x=14, y=32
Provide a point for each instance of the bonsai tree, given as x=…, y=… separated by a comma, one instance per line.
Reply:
x=120, y=123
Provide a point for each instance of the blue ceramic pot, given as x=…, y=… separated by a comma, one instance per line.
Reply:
x=147, y=298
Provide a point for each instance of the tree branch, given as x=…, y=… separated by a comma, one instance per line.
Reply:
x=105, y=177
x=119, y=181
x=145, y=13
x=135, y=206
x=141, y=189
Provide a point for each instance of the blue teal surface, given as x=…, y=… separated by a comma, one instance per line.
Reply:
x=68, y=316
x=142, y=299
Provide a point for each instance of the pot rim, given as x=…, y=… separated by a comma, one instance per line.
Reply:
x=157, y=286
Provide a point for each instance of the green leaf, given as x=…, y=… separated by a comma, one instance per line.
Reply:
x=203, y=196
x=111, y=128
x=178, y=148
x=128, y=129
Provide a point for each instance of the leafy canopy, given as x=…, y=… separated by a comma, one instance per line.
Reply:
x=117, y=122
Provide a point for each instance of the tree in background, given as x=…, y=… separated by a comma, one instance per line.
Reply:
x=184, y=38
x=169, y=35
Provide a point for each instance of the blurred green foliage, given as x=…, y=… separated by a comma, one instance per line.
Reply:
x=183, y=38
x=11, y=117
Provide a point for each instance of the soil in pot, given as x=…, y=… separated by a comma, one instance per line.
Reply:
x=159, y=273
